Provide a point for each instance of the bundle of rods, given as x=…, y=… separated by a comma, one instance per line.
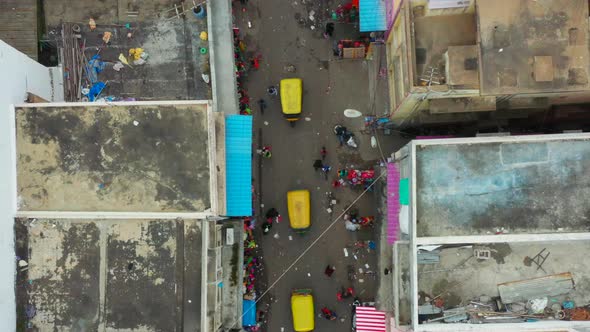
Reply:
x=74, y=62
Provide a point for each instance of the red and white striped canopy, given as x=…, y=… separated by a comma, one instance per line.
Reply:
x=369, y=320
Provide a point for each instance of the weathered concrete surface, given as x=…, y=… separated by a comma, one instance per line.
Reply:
x=528, y=187
x=141, y=280
x=62, y=279
x=115, y=158
x=18, y=19
x=174, y=64
x=105, y=11
x=193, y=256
x=233, y=273
x=467, y=278
x=221, y=47
x=124, y=275
x=172, y=70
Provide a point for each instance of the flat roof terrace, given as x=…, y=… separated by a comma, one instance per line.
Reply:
x=460, y=277
x=535, y=185
x=113, y=275
x=533, y=46
x=118, y=158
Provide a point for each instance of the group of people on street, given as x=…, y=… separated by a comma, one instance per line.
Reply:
x=343, y=293
x=272, y=215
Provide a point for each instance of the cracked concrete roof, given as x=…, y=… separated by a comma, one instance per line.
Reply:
x=113, y=275
x=144, y=158
x=526, y=187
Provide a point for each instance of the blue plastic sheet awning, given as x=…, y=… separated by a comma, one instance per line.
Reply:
x=238, y=159
x=249, y=312
x=372, y=15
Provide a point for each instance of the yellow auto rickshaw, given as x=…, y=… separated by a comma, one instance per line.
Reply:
x=291, y=95
x=302, y=309
x=299, y=211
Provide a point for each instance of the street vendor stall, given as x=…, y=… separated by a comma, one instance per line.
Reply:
x=355, y=178
x=352, y=49
x=365, y=318
x=249, y=311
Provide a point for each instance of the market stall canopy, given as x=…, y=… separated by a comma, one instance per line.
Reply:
x=249, y=308
x=372, y=15
x=368, y=319
x=238, y=142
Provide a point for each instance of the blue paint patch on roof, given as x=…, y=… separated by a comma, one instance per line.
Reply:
x=372, y=15
x=238, y=159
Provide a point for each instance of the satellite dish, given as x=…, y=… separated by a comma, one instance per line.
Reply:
x=350, y=113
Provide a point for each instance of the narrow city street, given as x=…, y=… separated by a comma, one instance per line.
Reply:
x=282, y=36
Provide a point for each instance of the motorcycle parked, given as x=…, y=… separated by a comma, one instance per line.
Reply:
x=345, y=136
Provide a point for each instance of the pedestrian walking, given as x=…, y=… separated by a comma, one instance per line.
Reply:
x=329, y=30
x=317, y=164
x=262, y=105
x=326, y=169
x=323, y=153
x=329, y=270
x=272, y=90
x=265, y=152
x=273, y=215
x=328, y=314
x=266, y=226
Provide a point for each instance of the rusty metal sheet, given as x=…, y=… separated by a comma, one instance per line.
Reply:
x=524, y=290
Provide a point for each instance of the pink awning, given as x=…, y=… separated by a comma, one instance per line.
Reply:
x=368, y=319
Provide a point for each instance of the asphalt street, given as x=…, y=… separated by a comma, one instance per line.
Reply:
x=281, y=33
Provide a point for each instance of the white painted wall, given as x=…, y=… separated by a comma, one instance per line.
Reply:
x=21, y=74
x=18, y=75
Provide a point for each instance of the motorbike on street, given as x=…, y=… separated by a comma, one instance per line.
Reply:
x=345, y=136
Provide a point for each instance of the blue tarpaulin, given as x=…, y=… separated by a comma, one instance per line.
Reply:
x=249, y=312
x=238, y=159
x=96, y=90
x=372, y=15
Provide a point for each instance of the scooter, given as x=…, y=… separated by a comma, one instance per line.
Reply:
x=345, y=136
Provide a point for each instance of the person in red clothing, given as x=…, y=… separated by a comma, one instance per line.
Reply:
x=329, y=270
x=323, y=153
x=328, y=314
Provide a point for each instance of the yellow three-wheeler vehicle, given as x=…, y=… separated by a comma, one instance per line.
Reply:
x=291, y=95
x=302, y=309
x=299, y=211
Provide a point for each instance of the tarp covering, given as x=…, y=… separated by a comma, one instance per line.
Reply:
x=368, y=319
x=249, y=310
x=238, y=155
x=393, y=206
x=404, y=191
x=372, y=15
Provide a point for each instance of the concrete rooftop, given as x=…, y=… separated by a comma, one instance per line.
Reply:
x=463, y=278
x=148, y=158
x=433, y=36
x=113, y=275
x=174, y=66
x=533, y=46
x=539, y=185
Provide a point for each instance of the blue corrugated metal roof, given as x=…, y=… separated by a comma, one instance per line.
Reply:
x=238, y=160
x=372, y=15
